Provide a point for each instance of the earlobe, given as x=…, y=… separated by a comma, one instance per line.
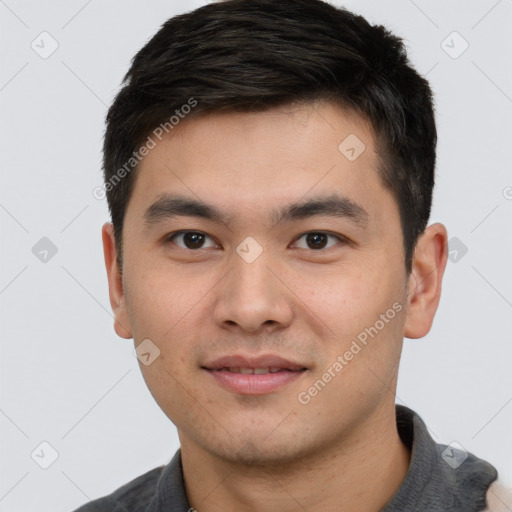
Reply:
x=115, y=283
x=425, y=280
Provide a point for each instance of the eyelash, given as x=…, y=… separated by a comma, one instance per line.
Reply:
x=341, y=238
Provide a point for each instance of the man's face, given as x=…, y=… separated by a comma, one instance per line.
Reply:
x=303, y=289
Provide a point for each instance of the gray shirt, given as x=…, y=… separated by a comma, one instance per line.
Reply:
x=440, y=478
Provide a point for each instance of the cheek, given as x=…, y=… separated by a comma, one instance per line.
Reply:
x=169, y=308
x=347, y=300
x=157, y=300
x=365, y=316
x=164, y=310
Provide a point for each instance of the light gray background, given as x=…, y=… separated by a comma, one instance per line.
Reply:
x=66, y=377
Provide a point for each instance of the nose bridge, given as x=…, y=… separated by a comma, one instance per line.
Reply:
x=251, y=278
x=251, y=295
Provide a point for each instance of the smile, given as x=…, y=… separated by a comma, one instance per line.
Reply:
x=256, y=371
x=254, y=381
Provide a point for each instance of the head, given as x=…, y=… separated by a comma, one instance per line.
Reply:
x=286, y=124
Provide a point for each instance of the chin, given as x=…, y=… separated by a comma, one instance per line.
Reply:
x=261, y=450
x=255, y=454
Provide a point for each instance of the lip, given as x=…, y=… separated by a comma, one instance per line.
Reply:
x=262, y=361
x=254, y=384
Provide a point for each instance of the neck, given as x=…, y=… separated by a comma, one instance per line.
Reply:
x=361, y=473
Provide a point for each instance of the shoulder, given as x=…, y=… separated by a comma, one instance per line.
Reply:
x=499, y=497
x=132, y=496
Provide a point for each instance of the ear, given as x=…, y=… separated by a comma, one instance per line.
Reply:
x=424, y=285
x=115, y=283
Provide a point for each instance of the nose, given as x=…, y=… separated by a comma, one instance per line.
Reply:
x=252, y=297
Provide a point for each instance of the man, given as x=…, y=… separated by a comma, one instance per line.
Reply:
x=269, y=169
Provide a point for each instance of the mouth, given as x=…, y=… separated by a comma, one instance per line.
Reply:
x=254, y=375
x=256, y=371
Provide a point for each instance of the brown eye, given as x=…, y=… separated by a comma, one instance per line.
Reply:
x=318, y=240
x=190, y=239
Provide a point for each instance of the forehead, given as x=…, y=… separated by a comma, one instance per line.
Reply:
x=250, y=161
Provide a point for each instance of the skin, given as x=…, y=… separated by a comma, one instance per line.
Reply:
x=341, y=451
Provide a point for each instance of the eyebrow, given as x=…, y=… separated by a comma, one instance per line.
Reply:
x=168, y=206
